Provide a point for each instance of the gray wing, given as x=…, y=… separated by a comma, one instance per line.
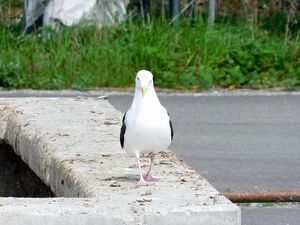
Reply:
x=122, y=132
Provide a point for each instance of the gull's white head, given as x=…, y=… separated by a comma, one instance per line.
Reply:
x=143, y=81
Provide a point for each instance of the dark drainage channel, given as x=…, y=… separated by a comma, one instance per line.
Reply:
x=17, y=179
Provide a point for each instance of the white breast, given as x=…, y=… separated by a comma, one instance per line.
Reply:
x=148, y=130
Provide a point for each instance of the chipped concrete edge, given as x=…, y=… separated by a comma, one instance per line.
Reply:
x=80, y=210
x=53, y=211
x=26, y=143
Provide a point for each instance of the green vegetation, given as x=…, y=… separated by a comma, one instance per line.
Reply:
x=186, y=56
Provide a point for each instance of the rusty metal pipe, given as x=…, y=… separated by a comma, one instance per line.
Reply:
x=288, y=195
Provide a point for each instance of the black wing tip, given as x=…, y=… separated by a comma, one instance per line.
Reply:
x=122, y=131
x=171, y=127
x=172, y=130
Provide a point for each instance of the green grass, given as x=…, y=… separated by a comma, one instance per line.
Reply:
x=186, y=56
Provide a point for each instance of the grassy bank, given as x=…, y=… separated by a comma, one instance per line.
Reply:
x=185, y=56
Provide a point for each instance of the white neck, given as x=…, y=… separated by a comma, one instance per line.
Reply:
x=150, y=98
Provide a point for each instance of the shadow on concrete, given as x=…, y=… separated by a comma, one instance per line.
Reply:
x=125, y=178
x=17, y=179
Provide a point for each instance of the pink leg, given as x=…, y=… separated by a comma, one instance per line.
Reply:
x=142, y=181
x=148, y=176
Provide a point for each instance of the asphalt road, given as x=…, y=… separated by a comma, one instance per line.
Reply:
x=237, y=142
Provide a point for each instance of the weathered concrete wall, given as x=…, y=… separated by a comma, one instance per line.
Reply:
x=98, y=211
x=72, y=145
x=17, y=179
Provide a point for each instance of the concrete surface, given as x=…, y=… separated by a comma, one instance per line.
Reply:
x=239, y=141
x=72, y=145
x=74, y=211
x=272, y=215
x=255, y=165
x=255, y=132
x=236, y=142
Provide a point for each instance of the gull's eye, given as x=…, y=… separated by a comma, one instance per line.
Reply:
x=138, y=78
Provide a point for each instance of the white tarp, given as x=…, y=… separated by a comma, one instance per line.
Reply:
x=71, y=12
x=33, y=9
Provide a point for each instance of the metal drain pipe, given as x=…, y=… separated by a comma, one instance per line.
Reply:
x=288, y=195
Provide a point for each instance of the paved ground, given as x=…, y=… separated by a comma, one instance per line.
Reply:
x=236, y=141
x=276, y=215
x=72, y=144
x=239, y=143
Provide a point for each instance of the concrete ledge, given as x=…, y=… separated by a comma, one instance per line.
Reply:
x=96, y=211
x=72, y=145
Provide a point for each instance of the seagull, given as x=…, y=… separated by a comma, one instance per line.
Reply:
x=146, y=126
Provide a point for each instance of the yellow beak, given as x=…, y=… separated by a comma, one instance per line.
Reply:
x=143, y=89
